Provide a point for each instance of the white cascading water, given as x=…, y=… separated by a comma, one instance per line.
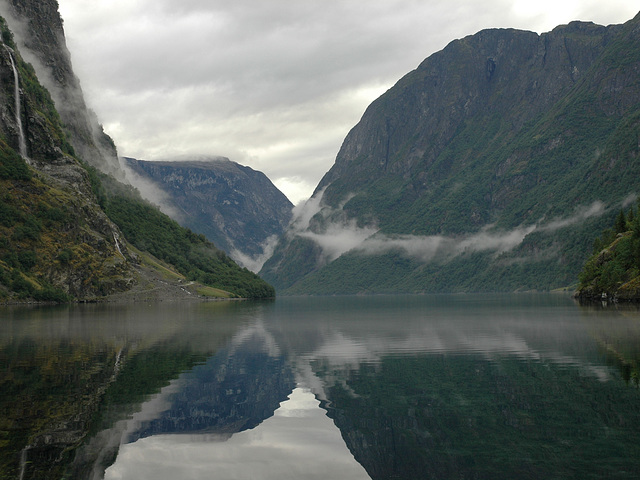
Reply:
x=22, y=143
x=115, y=239
x=23, y=461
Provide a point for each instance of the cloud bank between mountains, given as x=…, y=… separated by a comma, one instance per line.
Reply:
x=339, y=237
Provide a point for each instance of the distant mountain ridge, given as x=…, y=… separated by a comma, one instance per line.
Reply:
x=234, y=206
x=491, y=166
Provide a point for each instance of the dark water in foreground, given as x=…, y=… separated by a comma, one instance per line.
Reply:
x=464, y=387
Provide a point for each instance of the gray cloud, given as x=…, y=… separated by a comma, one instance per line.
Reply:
x=275, y=85
x=629, y=199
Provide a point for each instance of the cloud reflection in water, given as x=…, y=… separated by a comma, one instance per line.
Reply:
x=299, y=441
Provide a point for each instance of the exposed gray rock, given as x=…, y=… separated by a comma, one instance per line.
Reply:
x=234, y=206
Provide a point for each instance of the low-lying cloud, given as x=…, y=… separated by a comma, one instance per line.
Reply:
x=255, y=263
x=596, y=209
x=429, y=248
x=336, y=235
x=151, y=191
x=339, y=239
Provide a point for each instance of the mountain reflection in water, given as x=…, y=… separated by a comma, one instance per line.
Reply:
x=503, y=386
x=298, y=441
x=245, y=418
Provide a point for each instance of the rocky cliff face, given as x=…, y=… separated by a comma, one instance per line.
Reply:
x=39, y=33
x=482, y=169
x=516, y=75
x=53, y=234
x=236, y=207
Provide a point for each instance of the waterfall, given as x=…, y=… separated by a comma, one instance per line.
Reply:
x=115, y=239
x=22, y=143
x=23, y=461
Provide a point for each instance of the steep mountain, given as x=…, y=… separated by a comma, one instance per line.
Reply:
x=39, y=34
x=234, y=206
x=69, y=232
x=489, y=167
x=55, y=240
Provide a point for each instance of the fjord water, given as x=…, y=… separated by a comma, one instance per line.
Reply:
x=460, y=386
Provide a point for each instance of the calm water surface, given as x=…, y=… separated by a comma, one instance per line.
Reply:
x=464, y=386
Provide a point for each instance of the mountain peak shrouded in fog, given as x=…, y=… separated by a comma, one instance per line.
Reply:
x=234, y=206
x=38, y=30
x=492, y=166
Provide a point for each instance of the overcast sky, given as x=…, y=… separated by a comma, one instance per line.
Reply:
x=276, y=84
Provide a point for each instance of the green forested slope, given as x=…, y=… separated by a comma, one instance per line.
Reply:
x=503, y=134
x=191, y=254
x=613, y=270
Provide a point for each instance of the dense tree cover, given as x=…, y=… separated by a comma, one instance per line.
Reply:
x=45, y=252
x=12, y=166
x=613, y=270
x=193, y=255
x=27, y=217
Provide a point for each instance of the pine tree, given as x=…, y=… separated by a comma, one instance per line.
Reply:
x=621, y=223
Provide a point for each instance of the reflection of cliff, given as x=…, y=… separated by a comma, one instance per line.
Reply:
x=234, y=390
x=466, y=416
x=53, y=396
x=237, y=388
x=49, y=396
x=66, y=372
x=142, y=375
